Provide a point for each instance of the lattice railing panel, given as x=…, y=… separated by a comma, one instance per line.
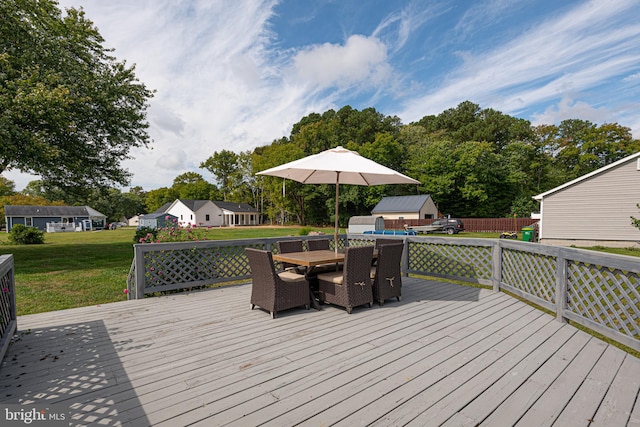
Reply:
x=607, y=296
x=194, y=265
x=530, y=272
x=7, y=313
x=464, y=261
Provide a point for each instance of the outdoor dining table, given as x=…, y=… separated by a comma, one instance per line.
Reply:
x=310, y=260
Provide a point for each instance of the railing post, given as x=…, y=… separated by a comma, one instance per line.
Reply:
x=496, y=268
x=138, y=257
x=561, y=286
x=405, y=258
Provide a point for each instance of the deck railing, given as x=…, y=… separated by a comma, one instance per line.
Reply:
x=8, y=319
x=599, y=291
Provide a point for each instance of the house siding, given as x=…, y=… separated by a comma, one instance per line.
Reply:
x=596, y=209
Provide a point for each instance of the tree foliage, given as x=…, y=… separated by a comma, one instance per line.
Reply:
x=69, y=111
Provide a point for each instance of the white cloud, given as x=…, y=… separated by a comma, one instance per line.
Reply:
x=359, y=61
x=571, y=109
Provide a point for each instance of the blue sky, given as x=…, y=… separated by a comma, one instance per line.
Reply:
x=236, y=74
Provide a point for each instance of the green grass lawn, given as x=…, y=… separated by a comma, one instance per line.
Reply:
x=86, y=268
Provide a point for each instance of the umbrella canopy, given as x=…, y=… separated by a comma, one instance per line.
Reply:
x=338, y=166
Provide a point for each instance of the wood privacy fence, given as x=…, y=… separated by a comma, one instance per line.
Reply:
x=596, y=290
x=489, y=225
x=8, y=318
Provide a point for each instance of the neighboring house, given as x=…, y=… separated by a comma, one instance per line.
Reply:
x=59, y=218
x=134, y=221
x=156, y=220
x=406, y=207
x=207, y=213
x=594, y=209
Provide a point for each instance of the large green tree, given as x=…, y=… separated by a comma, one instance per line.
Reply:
x=224, y=166
x=69, y=111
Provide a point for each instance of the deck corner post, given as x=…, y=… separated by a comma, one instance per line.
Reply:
x=138, y=257
x=496, y=268
x=561, y=286
x=404, y=262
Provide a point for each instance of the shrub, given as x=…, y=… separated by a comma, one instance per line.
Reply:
x=304, y=231
x=22, y=235
x=144, y=234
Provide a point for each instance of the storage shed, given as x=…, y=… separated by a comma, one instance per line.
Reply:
x=156, y=220
x=406, y=207
x=360, y=224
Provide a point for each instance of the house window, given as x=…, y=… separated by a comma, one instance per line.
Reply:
x=181, y=217
x=67, y=220
x=28, y=221
x=191, y=216
x=206, y=217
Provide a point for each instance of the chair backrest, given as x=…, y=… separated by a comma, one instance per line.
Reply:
x=287, y=246
x=389, y=258
x=357, y=264
x=318, y=245
x=386, y=242
x=262, y=270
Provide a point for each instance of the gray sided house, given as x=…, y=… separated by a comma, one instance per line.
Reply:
x=156, y=220
x=595, y=209
x=59, y=218
x=406, y=207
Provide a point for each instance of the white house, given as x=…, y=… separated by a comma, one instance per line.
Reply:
x=207, y=213
x=406, y=207
x=594, y=209
x=202, y=213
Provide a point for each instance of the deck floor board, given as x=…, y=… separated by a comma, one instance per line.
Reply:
x=444, y=355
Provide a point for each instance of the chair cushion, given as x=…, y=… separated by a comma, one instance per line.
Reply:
x=291, y=276
x=335, y=277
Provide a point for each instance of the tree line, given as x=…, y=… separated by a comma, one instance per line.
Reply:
x=473, y=162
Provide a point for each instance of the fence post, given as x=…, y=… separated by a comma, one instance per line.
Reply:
x=496, y=267
x=561, y=286
x=138, y=257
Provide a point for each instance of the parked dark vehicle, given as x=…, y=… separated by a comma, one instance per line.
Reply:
x=449, y=225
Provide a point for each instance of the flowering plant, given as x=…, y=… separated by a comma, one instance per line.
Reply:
x=175, y=231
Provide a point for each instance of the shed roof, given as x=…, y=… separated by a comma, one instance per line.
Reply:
x=155, y=215
x=51, y=211
x=401, y=204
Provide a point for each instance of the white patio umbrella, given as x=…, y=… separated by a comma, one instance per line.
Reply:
x=338, y=166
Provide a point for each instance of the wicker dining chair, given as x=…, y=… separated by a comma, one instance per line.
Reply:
x=385, y=275
x=273, y=291
x=350, y=287
x=288, y=246
x=318, y=244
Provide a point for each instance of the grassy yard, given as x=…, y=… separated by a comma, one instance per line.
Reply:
x=80, y=269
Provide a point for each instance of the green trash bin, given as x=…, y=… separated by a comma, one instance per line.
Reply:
x=527, y=234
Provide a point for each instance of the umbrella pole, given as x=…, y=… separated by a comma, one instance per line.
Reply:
x=335, y=232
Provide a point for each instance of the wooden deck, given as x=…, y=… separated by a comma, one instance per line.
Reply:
x=444, y=355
